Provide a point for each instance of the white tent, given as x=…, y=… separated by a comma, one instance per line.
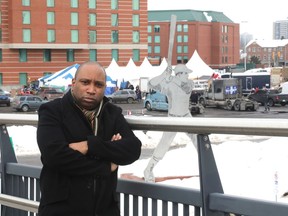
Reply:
x=199, y=67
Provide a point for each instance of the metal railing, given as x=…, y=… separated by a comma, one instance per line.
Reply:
x=20, y=183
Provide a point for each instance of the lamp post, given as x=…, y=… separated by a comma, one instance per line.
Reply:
x=245, y=41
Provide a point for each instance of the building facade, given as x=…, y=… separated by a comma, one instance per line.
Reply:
x=45, y=36
x=212, y=34
x=280, y=30
x=271, y=53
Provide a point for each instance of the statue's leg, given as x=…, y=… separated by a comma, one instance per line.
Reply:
x=158, y=154
x=193, y=138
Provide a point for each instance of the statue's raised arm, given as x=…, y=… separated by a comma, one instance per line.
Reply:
x=159, y=82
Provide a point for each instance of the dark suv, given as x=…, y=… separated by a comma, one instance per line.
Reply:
x=124, y=95
x=27, y=102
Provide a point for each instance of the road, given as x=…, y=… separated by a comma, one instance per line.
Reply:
x=137, y=108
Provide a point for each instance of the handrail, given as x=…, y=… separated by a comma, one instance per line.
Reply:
x=19, y=203
x=239, y=126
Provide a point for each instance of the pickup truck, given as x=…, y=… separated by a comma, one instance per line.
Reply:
x=275, y=96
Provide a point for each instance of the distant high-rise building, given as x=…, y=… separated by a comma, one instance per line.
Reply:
x=280, y=30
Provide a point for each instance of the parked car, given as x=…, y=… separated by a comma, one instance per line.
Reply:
x=155, y=100
x=124, y=95
x=27, y=102
x=50, y=93
x=4, y=99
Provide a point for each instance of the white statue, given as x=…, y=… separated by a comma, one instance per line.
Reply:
x=178, y=89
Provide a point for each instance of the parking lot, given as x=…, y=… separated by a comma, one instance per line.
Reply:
x=137, y=108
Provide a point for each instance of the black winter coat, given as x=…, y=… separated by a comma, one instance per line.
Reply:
x=73, y=184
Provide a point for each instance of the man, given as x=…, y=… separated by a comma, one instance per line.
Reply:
x=178, y=89
x=81, y=156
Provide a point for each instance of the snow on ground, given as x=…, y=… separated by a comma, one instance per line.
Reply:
x=249, y=166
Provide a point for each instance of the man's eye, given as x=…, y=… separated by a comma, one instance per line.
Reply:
x=85, y=82
x=99, y=85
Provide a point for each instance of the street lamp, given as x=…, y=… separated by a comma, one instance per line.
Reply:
x=245, y=41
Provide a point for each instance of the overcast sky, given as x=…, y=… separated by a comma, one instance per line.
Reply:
x=255, y=17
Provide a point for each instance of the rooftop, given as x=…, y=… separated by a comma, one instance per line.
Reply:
x=188, y=15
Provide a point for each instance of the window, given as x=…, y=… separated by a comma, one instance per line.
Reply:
x=0, y=35
x=136, y=37
x=92, y=4
x=157, y=28
x=157, y=49
x=185, y=59
x=185, y=38
x=23, y=78
x=135, y=21
x=92, y=19
x=74, y=36
x=0, y=16
x=25, y=17
x=179, y=49
x=74, y=18
x=26, y=35
x=179, y=59
x=115, y=54
x=136, y=55
x=114, y=19
x=149, y=49
x=157, y=39
x=149, y=39
x=179, y=38
x=185, y=49
x=114, y=37
x=25, y=2
x=70, y=55
x=74, y=3
x=1, y=78
x=51, y=36
x=50, y=18
x=179, y=28
x=50, y=3
x=22, y=55
x=92, y=37
x=185, y=28
x=114, y=4
x=93, y=55
x=149, y=28
x=0, y=55
x=135, y=5
x=47, y=55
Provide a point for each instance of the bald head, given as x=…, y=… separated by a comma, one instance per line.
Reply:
x=88, y=85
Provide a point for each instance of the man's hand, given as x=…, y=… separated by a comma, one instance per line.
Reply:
x=82, y=147
x=168, y=70
x=116, y=137
x=113, y=167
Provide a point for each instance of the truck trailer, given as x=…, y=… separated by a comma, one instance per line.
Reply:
x=251, y=80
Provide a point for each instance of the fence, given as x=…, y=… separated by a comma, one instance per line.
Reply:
x=20, y=183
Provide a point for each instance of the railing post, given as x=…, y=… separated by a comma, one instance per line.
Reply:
x=7, y=156
x=209, y=177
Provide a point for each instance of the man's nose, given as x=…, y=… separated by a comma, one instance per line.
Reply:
x=91, y=89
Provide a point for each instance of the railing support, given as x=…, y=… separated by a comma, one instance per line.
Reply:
x=209, y=177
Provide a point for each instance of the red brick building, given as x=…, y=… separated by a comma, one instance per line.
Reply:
x=43, y=36
x=271, y=53
x=212, y=34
